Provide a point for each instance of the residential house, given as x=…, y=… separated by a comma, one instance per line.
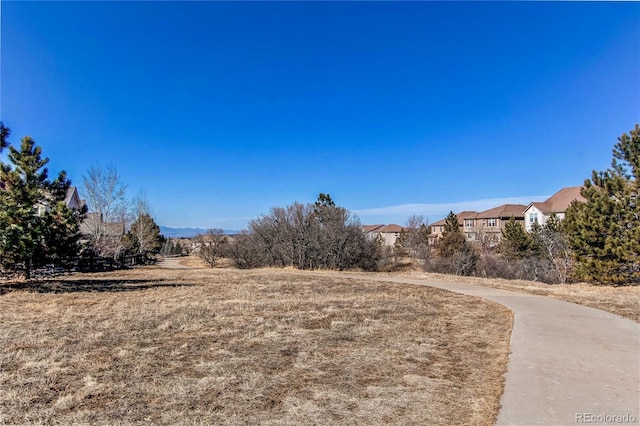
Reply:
x=540, y=212
x=490, y=223
x=71, y=199
x=466, y=220
x=388, y=233
x=485, y=227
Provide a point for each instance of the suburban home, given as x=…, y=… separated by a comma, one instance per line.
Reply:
x=540, y=212
x=466, y=219
x=388, y=233
x=71, y=199
x=490, y=223
x=484, y=227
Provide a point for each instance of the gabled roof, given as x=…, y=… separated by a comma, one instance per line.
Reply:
x=559, y=201
x=383, y=228
x=371, y=228
x=467, y=214
x=390, y=228
x=72, y=198
x=503, y=211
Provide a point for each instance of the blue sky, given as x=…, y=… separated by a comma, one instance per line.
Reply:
x=222, y=110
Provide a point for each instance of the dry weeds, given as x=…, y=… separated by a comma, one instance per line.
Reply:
x=236, y=347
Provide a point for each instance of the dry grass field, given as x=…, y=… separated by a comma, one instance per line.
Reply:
x=620, y=300
x=221, y=346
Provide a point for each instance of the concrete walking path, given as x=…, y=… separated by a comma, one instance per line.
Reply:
x=173, y=263
x=569, y=364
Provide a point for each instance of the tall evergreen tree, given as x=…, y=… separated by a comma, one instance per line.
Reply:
x=457, y=254
x=516, y=243
x=451, y=224
x=4, y=135
x=21, y=227
x=604, y=231
x=27, y=198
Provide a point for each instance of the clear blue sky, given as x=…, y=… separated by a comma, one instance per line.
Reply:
x=222, y=110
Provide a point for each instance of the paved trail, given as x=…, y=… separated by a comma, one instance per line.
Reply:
x=173, y=263
x=569, y=364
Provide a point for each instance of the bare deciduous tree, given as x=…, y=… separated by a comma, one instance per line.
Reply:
x=210, y=245
x=415, y=237
x=105, y=195
x=307, y=236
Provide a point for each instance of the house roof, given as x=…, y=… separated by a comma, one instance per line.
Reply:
x=503, y=211
x=559, y=201
x=371, y=228
x=467, y=214
x=391, y=228
x=72, y=198
x=383, y=228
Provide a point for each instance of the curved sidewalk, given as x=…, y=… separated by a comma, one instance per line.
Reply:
x=569, y=364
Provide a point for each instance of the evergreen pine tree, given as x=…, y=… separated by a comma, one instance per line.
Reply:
x=4, y=135
x=604, y=231
x=451, y=224
x=29, y=205
x=516, y=243
x=21, y=227
x=458, y=255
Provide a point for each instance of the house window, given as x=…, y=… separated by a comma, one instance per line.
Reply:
x=533, y=218
x=491, y=222
x=468, y=223
x=471, y=236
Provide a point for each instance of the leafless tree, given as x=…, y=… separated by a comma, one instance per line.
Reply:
x=415, y=237
x=311, y=236
x=554, y=249
x=105, y=195
x=210, y=245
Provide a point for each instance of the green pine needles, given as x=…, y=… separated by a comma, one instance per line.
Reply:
x=604, y=231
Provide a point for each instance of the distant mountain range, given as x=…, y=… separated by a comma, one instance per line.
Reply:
x=188, y=232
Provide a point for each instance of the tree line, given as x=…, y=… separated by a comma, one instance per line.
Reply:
x=38, y=228
x=597, y=241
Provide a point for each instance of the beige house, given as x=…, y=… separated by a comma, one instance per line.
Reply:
x=484, y=227
x=540, y=212
x=388, y=233
x=490, y=223
x=466, y=219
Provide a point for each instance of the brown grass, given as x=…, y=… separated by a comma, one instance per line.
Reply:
x=620, y=300
x=235, y=347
